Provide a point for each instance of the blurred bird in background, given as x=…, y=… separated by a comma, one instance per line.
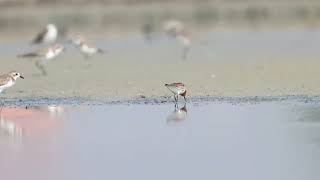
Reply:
x=41, y=56
x=48, y=35
x=176, y=29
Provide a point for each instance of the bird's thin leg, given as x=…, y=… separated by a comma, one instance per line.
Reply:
x=41, y=68
x=2, y=104
x=176, y=106
x=185, y=52
x=87, y=62
x=185, y=99
x=175, y=99
x=86, y=56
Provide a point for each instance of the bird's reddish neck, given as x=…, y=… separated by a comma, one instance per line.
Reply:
x=184, y=93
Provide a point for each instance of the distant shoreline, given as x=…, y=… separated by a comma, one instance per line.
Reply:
x=39, y=3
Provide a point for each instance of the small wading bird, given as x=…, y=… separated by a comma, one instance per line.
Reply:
x=176, y=29
x=43, y=55
x=177, y=89
x=86, y=49
x=47, y=36
x=186, y=44
x=8, y=80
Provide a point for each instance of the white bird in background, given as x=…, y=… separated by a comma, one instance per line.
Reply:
x=48, y=35
x=173, y=27
x=85, y=48
x=185, y=40
x=176, y=29
x=44, y=55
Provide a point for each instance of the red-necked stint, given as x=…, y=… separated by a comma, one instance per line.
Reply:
x=9, y=79
x=48, y=35
x=85, y=48
x=177, y=89
x=43, y=55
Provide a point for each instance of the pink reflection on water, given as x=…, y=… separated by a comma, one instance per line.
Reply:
x=32, y=122
x=29, y=147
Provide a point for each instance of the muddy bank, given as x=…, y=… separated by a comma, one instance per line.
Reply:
x=194, y=100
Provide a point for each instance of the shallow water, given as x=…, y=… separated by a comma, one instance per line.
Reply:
x=213, y=140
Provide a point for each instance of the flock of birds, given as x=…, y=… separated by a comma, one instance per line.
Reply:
x=49, y=35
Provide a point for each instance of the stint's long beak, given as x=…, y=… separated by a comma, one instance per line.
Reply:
x=21, y=77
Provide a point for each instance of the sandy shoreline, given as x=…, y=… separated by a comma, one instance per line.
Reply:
x=219, y=64
x=120, y=79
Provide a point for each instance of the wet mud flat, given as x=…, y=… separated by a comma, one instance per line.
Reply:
x=151, y=138
x=155, y=100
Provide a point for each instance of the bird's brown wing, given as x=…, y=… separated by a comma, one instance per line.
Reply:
x=4, y=79
x=178, y=84
x=40, y=36
x=28, y=55
x=39, y=52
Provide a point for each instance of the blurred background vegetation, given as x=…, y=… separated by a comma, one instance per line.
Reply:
x=18, y=16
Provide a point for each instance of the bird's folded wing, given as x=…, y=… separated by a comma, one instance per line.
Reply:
x=40, y=36
x=4, y=79
x=40, y=52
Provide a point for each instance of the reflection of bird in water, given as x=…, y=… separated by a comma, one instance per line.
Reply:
x=176, y=29
x=33, y=122
x=177, y=89
x=85, y=48
x=178, y=115
x=48, y=35
x=55, y=110
x=43, y=55
x=9, y=128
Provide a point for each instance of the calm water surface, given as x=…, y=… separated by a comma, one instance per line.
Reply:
x=269, y=140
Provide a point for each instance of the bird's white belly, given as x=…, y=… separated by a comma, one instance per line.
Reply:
x=50, y=55
x=176, y=90
x=9, y=84
x=51, y=36
x=88, y=50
